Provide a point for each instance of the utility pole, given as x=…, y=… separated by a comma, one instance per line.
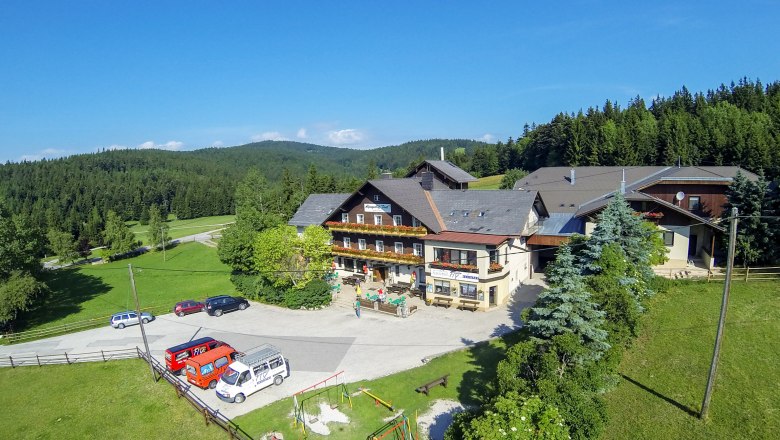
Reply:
x=141, y=321
x=705, y=405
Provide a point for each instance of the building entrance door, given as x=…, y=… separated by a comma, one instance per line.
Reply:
x=492, y=295
x=380, y=273
x=692, y=244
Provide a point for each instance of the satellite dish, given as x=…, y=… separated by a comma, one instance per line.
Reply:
x=679, y=196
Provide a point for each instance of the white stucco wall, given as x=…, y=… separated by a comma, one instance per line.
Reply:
x=679, y=250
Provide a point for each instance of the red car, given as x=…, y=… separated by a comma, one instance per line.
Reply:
x=189, y=306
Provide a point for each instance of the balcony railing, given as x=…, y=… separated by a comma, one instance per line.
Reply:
x=456, y=267
x=409, y=231
x=376, y=255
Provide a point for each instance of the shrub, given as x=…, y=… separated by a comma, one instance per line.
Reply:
x=314, y=294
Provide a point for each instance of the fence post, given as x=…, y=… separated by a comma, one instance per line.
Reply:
x=206, y=416
x=66, y=358
x=103, y=355
x=38, y=359
x=747, y=271
x=12, y=362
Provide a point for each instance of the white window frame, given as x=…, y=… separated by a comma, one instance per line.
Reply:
x=398, y=245
x=347, y=242
x=416, y=222
x=361, y=218
x=698, y=203
x=379, y=245
x=362, y=244
x=378, y=219
x=344, y=217
x=397, y=220
x=418, y=249
x=376, y=197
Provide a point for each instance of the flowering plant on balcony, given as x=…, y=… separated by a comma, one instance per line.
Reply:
x=381, y=229
x=495, y=267
x=369, y=253
x=657, y=214
x=453, y=266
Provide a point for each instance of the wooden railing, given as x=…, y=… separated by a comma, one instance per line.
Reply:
x=67, y=358
x=747, y=274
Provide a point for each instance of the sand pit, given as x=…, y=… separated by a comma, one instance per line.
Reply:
x=438, y=418
x=319, y=423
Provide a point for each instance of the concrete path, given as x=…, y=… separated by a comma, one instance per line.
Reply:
x=317, y=343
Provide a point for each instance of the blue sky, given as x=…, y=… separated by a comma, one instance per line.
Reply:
x=80, y=76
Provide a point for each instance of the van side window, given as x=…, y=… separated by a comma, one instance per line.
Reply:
x=221, y=362
x=206, y=369
x=277, y=362
x=183, y=355
x=213, y=345
x=243, y=378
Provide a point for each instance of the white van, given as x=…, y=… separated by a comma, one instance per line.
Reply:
x=251, y=372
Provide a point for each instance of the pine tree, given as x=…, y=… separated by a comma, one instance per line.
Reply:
x=566, y=307
x=158, y=229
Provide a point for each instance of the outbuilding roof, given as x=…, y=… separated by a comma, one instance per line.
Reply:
x=448, y=169
x=500, y=212
x=317, y=208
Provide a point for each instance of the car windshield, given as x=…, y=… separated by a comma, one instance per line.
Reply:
x=230, y=376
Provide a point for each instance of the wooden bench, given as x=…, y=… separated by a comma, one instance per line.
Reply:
x=469, y=304
x=440, y=381
x=442, y=301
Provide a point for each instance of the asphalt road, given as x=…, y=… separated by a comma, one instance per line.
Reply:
x=317, y=343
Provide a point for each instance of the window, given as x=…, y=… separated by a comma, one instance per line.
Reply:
x=376, y=197
x=468, y=290
x=221, y=362
x=441, y=287
x=694, y=203
x=455, y=256
x=347, y=242
x=493, y=256
x=276, y=362
x=380, y=246
x=344, y=217
x=377, y=219
x=418, y=249
x=397, y=220
x=399, y=247
x=206, y=369
x=397, y=270
x=668, y=238
x=361, y=218
x=416, y=222
x=362, y=244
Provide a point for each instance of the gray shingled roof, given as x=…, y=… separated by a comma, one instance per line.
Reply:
x=317, y=208
x=561, y=223
x=410, y=196
x=450, y=170
x=485, y=212
x=595, y=184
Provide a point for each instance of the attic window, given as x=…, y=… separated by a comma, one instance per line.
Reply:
x=452, y=213
x=465, y=213
x=562, y=205
x=481, y=213
x=571, y=205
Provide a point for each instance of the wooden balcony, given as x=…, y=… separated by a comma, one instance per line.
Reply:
x=363, y=228
x=368, y=254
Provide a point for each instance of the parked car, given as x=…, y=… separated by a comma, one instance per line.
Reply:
x=218, y=305
x=251, y=372
x=123, y=319
x=188, y=306
x=204, y=370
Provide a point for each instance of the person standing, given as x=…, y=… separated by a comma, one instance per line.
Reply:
x=358, y=290
x=357, y=306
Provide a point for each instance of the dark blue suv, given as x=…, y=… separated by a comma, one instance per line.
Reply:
x=217, y=305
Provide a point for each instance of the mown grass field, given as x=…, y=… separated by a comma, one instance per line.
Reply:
x=665, y=373
x=489, y=182
x=181, y=228
x=115, y=399
x=471, y=374
x=191, y=271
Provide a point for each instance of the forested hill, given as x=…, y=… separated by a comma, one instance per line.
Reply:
x=75, y=193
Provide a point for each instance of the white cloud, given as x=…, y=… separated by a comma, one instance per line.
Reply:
x=487, y=137
x=170, y=145
x=269, y=136
x=346, y=136
x=218, y=144
x=301, y=133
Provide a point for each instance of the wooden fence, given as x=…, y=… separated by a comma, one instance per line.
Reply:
x=748, y=274
x=182, y=389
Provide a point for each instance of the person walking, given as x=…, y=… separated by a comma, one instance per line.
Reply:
x=358, y=291
x=357, y=307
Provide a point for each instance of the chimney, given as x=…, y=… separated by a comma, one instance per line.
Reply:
x=387, y=175
x=427, y=180
x=572, y=176
x=623, y=183
x=442, y=153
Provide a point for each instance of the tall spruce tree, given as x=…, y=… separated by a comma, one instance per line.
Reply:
x=756, y=232
x=566, y=307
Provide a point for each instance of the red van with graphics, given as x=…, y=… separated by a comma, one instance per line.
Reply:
x=177, y=355
x=204, y=369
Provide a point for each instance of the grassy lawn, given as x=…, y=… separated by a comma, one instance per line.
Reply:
x=471, y=374
x=489, y=182
x=666, y=370
x=115, y=399
x=97, y=291
x=180, y=228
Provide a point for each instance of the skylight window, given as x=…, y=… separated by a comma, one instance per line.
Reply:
x=481, y=213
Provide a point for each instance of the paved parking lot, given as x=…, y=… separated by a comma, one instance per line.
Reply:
x=317, y=343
